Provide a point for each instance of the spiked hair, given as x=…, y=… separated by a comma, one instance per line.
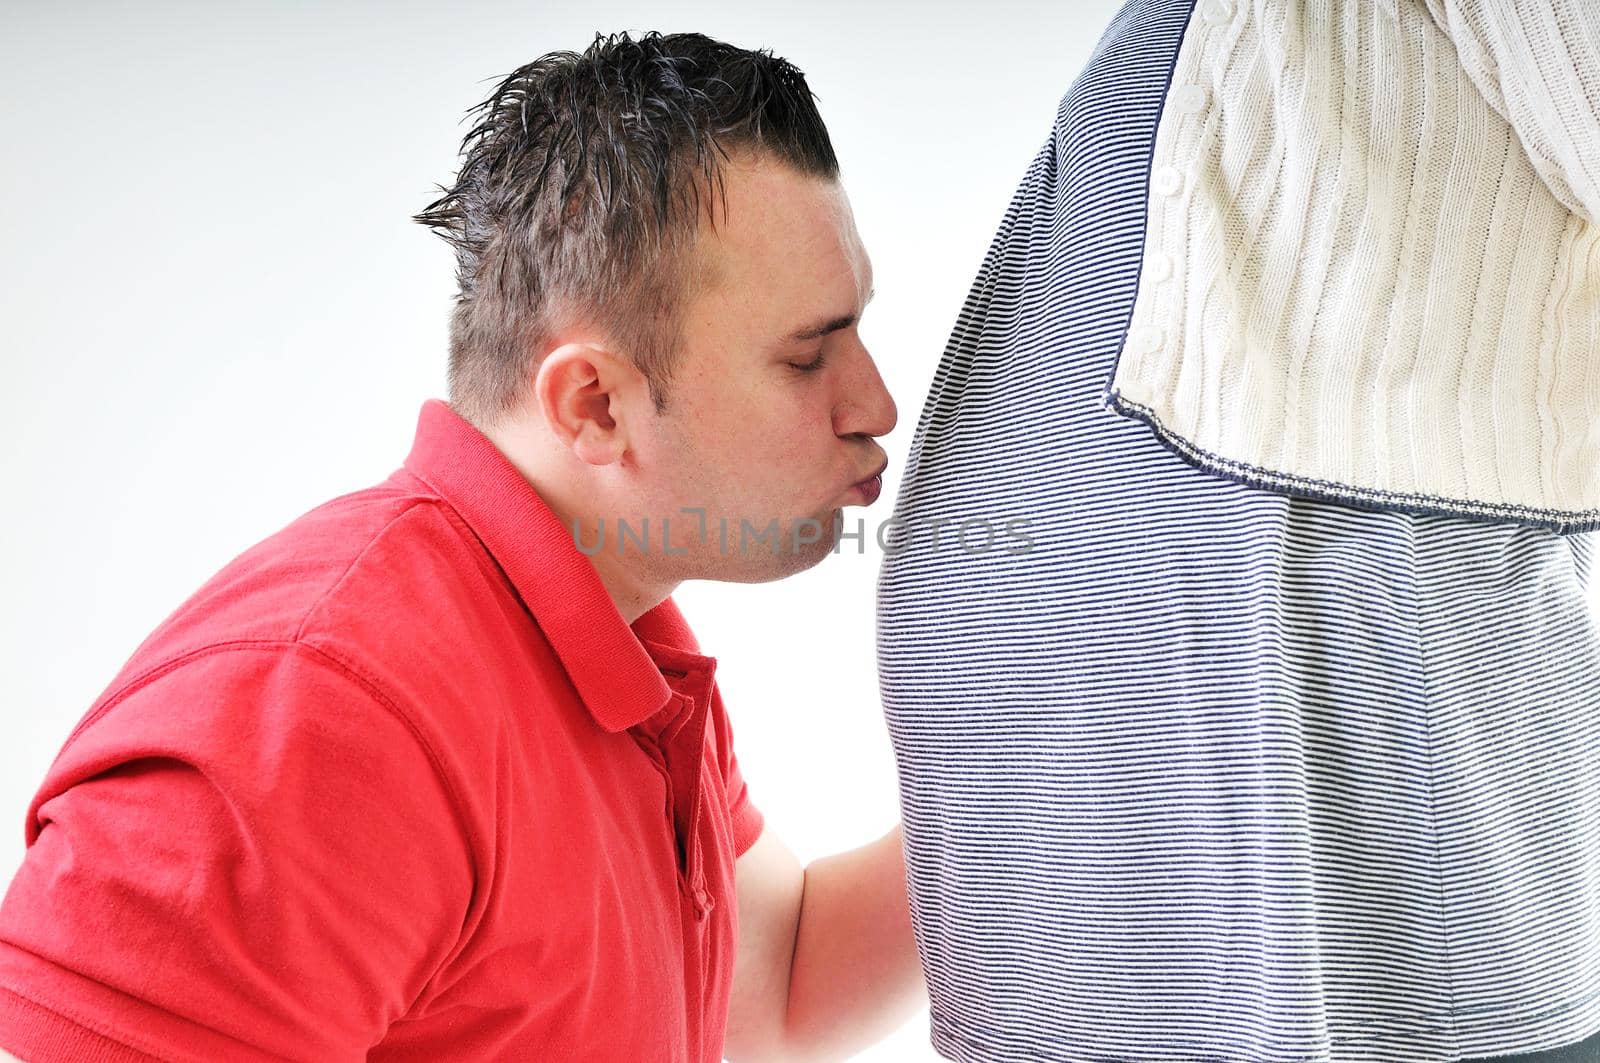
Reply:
x=581, y=190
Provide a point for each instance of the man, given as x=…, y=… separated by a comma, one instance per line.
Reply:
x=438, y=771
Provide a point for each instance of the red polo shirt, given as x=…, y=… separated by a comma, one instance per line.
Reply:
x=397, y=783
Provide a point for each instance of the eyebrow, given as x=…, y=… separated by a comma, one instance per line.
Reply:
x=817, y=331
x=813, y=332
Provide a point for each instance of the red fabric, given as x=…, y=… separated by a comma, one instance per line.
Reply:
x=397, y=783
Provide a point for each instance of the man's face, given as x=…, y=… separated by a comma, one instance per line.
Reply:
x=774, y=403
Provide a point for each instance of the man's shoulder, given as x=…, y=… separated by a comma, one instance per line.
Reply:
x=359, y=577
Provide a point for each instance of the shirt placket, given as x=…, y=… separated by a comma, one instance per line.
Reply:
x=683, y=747
x=677, y=750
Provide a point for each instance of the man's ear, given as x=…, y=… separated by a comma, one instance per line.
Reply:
x=579, y=390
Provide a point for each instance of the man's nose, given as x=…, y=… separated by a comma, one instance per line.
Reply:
x=865, y=406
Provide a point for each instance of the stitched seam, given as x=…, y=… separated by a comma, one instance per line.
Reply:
x=130, y=1040
x=377, y=537
x=155, y=671
x=1428, y=702
x=457, y=805
x=487, y=562
x=943, y=1027
x=1560, y=521
x=352, y=675
x=158, y=671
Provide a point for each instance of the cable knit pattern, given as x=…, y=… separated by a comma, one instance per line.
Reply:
x=1373, y=268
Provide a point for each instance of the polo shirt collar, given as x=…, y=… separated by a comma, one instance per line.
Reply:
x=610, y=666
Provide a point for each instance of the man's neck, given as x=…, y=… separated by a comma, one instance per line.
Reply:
x=630, y=590
x=632, y=597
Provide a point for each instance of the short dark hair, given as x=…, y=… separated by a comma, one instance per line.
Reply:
x=580, y=194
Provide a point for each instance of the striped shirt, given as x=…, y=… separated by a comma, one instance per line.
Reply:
x=1196, y=771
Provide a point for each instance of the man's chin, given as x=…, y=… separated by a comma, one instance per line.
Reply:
x=804, y=544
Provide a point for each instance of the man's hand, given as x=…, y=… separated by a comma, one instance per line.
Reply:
x=827, y=963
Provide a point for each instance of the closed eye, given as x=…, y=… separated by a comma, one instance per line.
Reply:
x=811, y=366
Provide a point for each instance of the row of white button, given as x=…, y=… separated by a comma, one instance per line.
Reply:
x=1168, y=181
x=1190, y=99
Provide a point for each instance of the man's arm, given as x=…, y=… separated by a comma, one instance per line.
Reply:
x=827, y=963
x=262, y=821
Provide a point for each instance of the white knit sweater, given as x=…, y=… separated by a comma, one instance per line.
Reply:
x=1372, y=266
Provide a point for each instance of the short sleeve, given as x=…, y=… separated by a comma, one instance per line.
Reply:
x=1537, y=62
x=250, y=855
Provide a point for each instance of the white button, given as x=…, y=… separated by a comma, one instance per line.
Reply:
x=1191, y=99
x=1167, y=180
x=1217, y=12
x=1146, y=339
x=1158, y=266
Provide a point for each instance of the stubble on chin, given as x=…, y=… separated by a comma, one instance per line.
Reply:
x=799, y=545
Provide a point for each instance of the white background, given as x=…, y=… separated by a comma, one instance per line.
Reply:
x=215, y=314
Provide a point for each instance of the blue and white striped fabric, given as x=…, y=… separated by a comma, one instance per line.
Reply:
x=1214, y=774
